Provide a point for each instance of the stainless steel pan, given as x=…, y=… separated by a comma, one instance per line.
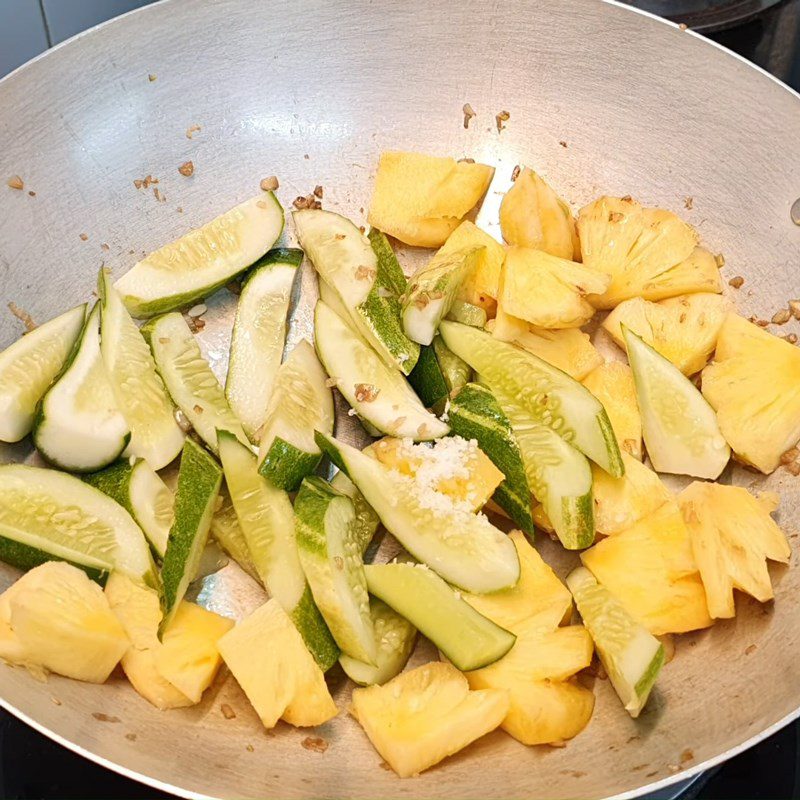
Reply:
x=602, y=99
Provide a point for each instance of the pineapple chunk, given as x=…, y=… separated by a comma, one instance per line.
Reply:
x=733, y=535
x=621, y=502
x=548, y=291
x=453, y=466
x=54, y=618
x=683, y=329
x=612, y=384
x=569, y=349
x=754, y=386
x=483, y=284
x=425, y=715
x=651, y=570
x=648, y=252
x=268, y=658
x=421, y=199
x=533, y=215
x=538, y=593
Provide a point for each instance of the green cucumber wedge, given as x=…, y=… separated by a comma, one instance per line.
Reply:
x=467, y=314
x=378, y=394
x=474, y=413
x=28, y=367
x=267, y=521
x=367, y=521
x=432, y=290
x=631, y=655
x=47, y=515
x=395, y=638
x=438, y=375
x=140, y=490
x=301, y=403
x=227, y=532
x=203, y=260
x=466, y=638
x=548, y=395
x=199, y=481
x=464, y=548
x=138, y=390
x=679, y=427
x=365, y=276
x=259, y=335
x=329, y=552
x=78, y=425
x=188, y=377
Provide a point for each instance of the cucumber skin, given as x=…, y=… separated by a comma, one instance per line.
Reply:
x=26, y=558
x=114, y=481
x=293, y=256
x=285, y=465
x=427, y=380
x=471, y=406
x=307, y=617
x=390, y=275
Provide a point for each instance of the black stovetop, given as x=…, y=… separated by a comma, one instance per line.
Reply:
x=31, y=766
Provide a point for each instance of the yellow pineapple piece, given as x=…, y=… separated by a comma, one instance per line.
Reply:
x=538, y=592
x=650, y=568
x=612, y=384
x=754, y=386
x=733, y=535
x=647, y=252
x=548, y=291
x=683, y=329
x=483, y=284
x=453, y=466
x=621, y=502
x=422, y=716
x=533, y=215
x=421, y=199
x=268, y=658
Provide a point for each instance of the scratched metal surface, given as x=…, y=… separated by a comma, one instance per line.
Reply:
x=312, y=92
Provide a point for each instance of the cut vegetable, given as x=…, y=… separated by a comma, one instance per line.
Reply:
x=199, y=481
x=679, y=426
x=227, y=532
x=78, y=425
x=300, y=404
x=140, y=490
x=189, y=379
x=329, y=552
x=437, y=374
x=203, y=260
x=546, y=394
x=631, y=655
x=464, y=548
x=28, y=367
x=613, y=385
x=259, y=334
x=467, y=314
x=366, y=521
x=267, y=521
x=379, y=394
x=138, y=390
x=464, y=636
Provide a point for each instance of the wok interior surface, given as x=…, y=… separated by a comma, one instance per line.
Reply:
x=601, y=100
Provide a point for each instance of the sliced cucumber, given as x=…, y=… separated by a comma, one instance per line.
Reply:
x=679, y=427
x=364, y=275
x=476, y=414
x=631, y=655
x=301, y=403
x=464, y=548
x=432, y=290
x=395, y=638
x=379, y=394
x=548, y=395
x=140, y=490
x=46, y=515
x=329, y=552
x=259, y=334
x=467, y=314
x=466, y=638
x=29, y=366
x=439, y=374
x=390, y=274
x=189, y=379
x=78, y=425
x=199, y=481
x=138, y=389
x=227, y=532
x=367, y=521
x=203, y=260
x=267, y=521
